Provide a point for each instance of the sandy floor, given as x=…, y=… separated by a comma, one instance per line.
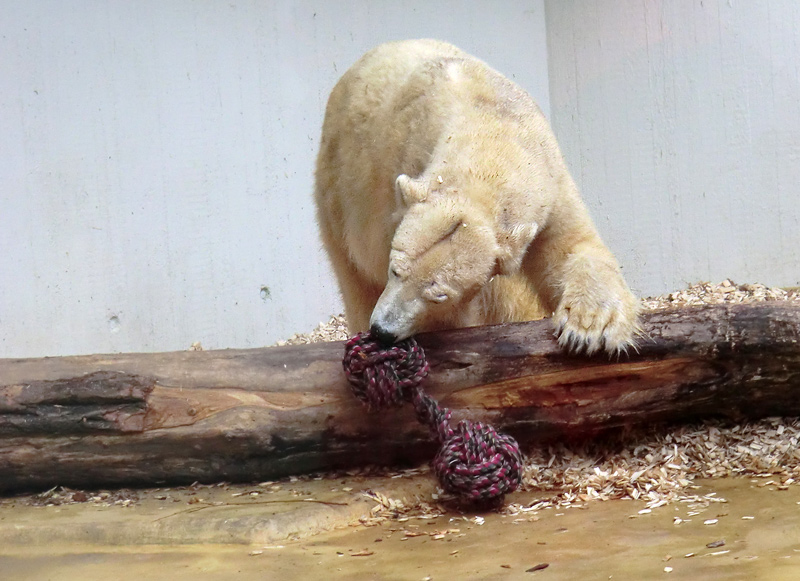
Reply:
x=310, y=529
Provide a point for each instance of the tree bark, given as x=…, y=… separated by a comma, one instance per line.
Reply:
x=249, y=415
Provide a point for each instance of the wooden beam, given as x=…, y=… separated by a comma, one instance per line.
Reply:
x=249, y=415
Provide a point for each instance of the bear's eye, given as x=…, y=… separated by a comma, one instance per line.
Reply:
x=435, y=294
x=395, y=273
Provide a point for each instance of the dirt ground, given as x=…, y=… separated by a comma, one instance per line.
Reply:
x=331, y=528
x=692, y=502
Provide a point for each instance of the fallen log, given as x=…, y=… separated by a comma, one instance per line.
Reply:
x=250, y=415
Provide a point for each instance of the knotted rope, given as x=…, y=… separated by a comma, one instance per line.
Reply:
x=474, y=461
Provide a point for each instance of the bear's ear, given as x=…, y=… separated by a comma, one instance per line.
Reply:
x=409, y=191
x=513, y=243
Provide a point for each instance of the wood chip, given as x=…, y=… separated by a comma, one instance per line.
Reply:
x=538, y=567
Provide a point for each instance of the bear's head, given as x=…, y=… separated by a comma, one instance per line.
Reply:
x=444, y=250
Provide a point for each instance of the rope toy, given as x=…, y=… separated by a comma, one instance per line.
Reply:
x=474, y=461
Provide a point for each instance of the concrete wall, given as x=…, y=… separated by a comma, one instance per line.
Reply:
x=156, y=160
x=681, y=123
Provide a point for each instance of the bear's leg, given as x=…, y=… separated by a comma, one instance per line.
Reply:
x=579, y=280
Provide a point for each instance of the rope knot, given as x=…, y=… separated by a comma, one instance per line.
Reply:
x=478, y=463
x=383, y=376
x=474, y=461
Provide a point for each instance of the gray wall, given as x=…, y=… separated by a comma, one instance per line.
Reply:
x=156, y=160
x=156, y=157
x=680, y=121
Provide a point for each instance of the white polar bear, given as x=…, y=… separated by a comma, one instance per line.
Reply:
x=443, y=201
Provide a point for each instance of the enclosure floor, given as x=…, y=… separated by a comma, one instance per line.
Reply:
x=163, y=534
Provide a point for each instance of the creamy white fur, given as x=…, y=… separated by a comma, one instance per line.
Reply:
x=444, y=201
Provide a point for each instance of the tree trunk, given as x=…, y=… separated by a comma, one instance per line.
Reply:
x=248, y=415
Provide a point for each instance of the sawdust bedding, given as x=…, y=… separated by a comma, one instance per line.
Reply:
x=656, y=465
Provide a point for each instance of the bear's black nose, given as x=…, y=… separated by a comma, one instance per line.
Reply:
x=382, y=335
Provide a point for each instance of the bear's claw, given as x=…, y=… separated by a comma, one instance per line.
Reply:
x=584, y=331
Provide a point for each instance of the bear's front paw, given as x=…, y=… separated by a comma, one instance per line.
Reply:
x=587, y=325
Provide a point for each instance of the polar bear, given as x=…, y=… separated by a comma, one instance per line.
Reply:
x=443, y=201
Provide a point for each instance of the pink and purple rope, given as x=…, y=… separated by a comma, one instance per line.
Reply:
x=474, y=461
